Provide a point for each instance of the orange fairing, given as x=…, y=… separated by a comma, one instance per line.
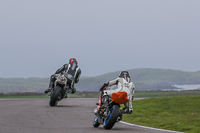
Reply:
x=120, y=97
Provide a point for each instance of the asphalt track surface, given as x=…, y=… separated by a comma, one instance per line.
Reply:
x=72, y=115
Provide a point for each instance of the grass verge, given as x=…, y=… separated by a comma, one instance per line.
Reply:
x=138, y=94
x=171, y=113
x=166, y=93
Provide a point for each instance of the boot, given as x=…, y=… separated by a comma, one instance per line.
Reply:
x=50, y=87
x=65, y=95
x=119, y=117
x=47, y=90
x=73, y=89
x=125, y=110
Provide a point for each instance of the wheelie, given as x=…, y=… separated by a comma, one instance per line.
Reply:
x=108, y=110
x=62, y=82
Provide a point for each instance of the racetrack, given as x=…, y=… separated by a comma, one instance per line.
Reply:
x=72, y=115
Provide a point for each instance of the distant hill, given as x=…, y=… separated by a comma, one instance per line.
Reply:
x=23, y=85
x=144, y=79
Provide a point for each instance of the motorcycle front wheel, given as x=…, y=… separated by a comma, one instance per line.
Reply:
x=96, y=123
x=55, y=95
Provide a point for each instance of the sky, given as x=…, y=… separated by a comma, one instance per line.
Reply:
x=38, y=36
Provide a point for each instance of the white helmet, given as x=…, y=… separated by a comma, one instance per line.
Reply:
x=125, y=75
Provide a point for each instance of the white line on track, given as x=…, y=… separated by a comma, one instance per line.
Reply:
x=149, y=127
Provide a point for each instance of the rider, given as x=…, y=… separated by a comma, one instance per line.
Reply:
x=123, y=83
x=73, y=73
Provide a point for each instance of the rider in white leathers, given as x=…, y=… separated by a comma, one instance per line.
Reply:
x=124, y=84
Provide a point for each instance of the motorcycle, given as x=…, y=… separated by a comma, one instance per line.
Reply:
x=60, y=89
x=108, y=110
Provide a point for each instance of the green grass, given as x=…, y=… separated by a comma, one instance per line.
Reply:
x=172, y=113
x=145, y=94
x=138, y=94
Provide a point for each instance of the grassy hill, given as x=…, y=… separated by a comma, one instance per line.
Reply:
x=144, y=79
x=23, y=85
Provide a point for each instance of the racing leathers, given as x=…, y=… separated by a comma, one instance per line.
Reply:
x=122, y=86
x=72, y=73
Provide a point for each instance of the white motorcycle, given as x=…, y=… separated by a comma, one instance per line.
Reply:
x=60, y=90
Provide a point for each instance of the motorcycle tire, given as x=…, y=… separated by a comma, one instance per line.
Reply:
x=54, y=97
x=112, y=118
x=96, y=123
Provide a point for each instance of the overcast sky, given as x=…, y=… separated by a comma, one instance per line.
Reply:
x=38, y=36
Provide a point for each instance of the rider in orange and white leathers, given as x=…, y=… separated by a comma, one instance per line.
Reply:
x=124, y=84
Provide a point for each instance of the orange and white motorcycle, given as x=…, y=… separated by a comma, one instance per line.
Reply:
x=108, y=110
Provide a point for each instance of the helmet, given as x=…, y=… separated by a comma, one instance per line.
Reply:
x=125, y=75
x=73, y=60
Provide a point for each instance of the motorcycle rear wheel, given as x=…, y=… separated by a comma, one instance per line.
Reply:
x=54, y=97
x=110, y=121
